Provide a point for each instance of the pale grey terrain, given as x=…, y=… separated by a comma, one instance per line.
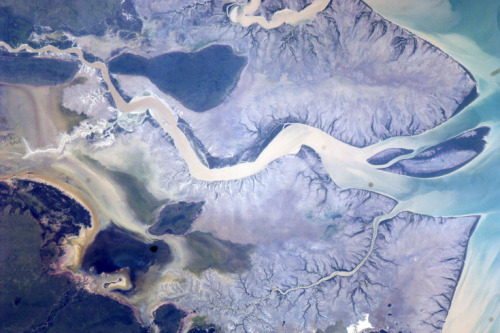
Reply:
x=304, y=228
x=420, y=262
x=349, y=72
x=444, y=157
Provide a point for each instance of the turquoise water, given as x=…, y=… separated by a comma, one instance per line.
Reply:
x=475, y=190
x=472, y=36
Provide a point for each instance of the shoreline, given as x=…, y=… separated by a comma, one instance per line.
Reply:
x=71, y=260
x=170, y=125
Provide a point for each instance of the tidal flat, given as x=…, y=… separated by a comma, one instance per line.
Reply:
x=212, y=291
x=142, y=202
x=176, y=218
x=35, y=115
x=207, y=252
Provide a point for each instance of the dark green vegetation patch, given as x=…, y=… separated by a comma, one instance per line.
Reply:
x=176, y=219
x=32, y=299
x=168, y=318
x=27, y=290
x=200, y=325
x=63, y=215
x=87, y=312
x=18, y=18
x=199, y=80
x=36, y=71
x=207, y=251
x=14, y=30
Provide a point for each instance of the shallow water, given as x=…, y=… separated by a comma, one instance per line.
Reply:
x=472, y=36
x=473, y=189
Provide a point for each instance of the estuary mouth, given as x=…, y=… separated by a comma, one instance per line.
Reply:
x=258, y=166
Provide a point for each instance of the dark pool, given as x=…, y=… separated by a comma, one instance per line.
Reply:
x=199, y=80
x=114, y=248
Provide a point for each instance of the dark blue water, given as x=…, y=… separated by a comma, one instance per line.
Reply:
x=199, y=80
x=114, y=248
x=472, y=36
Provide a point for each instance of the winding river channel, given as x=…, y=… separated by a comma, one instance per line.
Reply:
x=473, y=189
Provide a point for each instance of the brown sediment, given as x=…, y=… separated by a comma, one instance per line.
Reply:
x=87, y=285
x=41, y=118
x=28, y=104
x=119, y=280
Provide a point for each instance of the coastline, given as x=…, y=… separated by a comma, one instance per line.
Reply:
x=87, y=239
x=77, y=245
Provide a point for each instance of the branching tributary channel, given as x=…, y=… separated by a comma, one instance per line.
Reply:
x=350, y=169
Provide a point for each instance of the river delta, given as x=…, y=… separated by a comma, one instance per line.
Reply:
x=318, y=175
